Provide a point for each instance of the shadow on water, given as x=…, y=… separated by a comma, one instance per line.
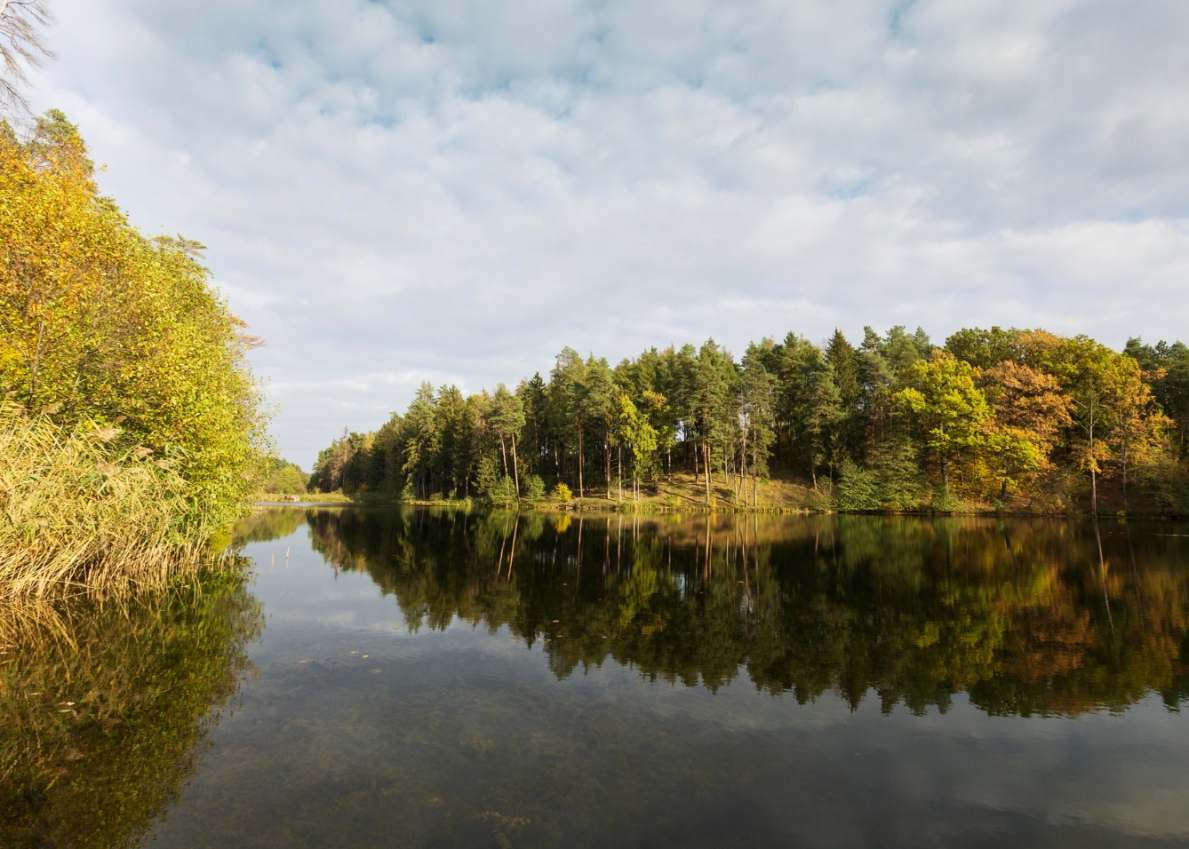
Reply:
x=1025, y=617
x=104, y=708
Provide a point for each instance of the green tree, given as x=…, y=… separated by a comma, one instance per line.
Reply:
x=757, y=405
x=713, y=403
x=505, y=417
x=949, y=409
x=844, y=359
x=1166, y=369
x=823, y=417
x=457, y=442
x=567, y=397
x=601, y=403
x=634, y=430
x=984, y=349
x=422, y=441
x=533, y=398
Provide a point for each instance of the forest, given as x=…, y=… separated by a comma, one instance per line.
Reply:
x=1006, y=420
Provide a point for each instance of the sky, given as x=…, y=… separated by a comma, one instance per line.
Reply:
x=447, y=191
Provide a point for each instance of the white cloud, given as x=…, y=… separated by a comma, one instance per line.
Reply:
x=452, y=191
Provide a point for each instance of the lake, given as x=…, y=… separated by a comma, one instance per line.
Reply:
x=428, y=678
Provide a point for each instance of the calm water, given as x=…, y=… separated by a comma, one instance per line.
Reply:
x=421, y=678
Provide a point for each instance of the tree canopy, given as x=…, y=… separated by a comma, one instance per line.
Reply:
x=1011, y=419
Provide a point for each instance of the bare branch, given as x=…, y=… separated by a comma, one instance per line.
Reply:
x=21, y=48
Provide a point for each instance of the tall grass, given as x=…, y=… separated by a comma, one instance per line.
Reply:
x=81, y=510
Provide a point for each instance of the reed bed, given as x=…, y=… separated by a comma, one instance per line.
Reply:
x=80, y=510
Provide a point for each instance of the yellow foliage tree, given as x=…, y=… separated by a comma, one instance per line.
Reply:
x=1030, y=414
x=99, y=323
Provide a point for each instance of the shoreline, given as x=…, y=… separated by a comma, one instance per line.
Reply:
x=663, y=510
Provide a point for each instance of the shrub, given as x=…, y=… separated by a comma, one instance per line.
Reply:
x=562, y=493
x=858, y=488
x=534, y=489
x=282, y=478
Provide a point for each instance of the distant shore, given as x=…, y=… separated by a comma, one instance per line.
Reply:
x=682, y=494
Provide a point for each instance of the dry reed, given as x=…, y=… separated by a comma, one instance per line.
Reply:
x=80, y=510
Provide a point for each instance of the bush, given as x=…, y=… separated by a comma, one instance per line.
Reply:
x=892, y=482
x=534, y=489
x=562, y=494
x=944, y=501
x=858, y=488
x=282, y=478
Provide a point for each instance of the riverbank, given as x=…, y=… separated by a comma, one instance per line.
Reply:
x=685, y=493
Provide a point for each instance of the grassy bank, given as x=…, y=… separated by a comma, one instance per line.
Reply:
x=81, y=509
x=685, y=493
x=303, y=498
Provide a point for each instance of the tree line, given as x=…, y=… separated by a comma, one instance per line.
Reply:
x=998, y=418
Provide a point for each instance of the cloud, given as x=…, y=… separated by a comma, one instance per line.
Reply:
x=451, y=191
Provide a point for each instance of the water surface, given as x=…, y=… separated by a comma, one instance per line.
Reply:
x=426, y=678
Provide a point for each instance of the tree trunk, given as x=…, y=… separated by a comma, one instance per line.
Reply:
x=503, y=452
x=607, y=459
x=515, y=467
x=743, y=468
x=1093, y=470
x=706, y=466
x=512, y=551
x=580, y=461
x=1124, y=477
x=35, y=364
x=620, y=447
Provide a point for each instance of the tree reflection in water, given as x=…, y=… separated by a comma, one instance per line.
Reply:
x=104, y=708
x=1023, y=616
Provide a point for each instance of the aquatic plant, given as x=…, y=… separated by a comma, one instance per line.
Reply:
x=80, y=508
